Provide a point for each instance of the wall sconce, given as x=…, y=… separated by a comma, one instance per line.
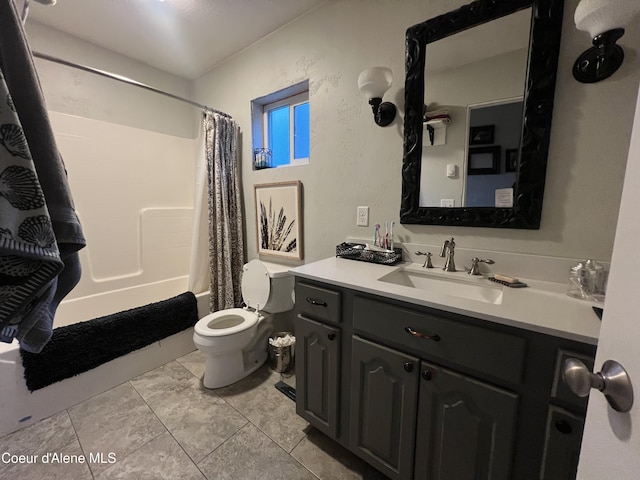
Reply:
x=373, y=83
x=603, y=19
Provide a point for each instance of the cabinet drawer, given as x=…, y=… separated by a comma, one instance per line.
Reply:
x=317, y=302
x=483, y=350
x=560, y=390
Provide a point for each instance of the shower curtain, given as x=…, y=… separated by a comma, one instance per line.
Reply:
x=226, y=240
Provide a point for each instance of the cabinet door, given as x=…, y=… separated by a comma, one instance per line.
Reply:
x=384, y=388
x=562, y=445
x=317, y=379
x=466, y=428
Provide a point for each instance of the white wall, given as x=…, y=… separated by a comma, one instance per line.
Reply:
x=72, y=91
x=354, y=162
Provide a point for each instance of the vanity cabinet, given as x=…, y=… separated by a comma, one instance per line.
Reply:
x=427, y=394
x=384, y=387
x=465, y=427
x=318, y=358
x=564, y=429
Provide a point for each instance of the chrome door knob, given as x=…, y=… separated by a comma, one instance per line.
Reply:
x=613, y=381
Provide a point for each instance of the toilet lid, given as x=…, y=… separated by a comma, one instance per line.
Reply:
x=256, y=284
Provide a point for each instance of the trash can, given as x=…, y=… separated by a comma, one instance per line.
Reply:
x=281, y=351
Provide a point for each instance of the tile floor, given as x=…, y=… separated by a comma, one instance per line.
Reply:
x=165, y=425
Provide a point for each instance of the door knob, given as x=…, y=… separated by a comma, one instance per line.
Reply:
x=612, y=380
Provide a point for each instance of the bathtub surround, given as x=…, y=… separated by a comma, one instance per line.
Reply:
x=80, y=347
x=38, y=302
x=226, y=238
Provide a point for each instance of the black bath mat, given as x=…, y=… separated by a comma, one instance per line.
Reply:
x=76, y=348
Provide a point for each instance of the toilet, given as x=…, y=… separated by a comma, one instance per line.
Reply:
x=235, y=340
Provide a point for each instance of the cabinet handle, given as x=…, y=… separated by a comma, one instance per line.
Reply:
x=331, y=336
x=315, y=301
x=411, y=331
x=427, y=375
x=563, y=427
x=408, y=367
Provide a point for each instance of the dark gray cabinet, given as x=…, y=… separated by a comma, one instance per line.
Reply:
x=384, y=388
x=466, y=428
x=317, y=374
x=427, y=394
x=562, y=444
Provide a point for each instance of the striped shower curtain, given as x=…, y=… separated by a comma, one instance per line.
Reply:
x=226, y=241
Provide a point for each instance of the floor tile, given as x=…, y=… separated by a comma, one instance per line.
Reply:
x=38, y=443
x=250, y=454
x=117, y=421
x=328, y=460
x=160, y=459
x=194, y=362
x=272, y=412
x=196, y=417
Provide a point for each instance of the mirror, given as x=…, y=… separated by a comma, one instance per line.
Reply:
x=491, y=65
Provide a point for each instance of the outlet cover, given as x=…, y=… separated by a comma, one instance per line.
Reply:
x=447, y=202
x=363, y=217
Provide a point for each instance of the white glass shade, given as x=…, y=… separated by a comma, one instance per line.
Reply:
x=599, y=16
x=373, y=82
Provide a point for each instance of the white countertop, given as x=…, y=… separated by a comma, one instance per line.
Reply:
x=542, y=307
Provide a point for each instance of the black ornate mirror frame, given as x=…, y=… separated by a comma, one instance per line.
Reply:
x=544, y=46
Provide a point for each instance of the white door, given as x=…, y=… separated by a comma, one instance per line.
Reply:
x=611, y=442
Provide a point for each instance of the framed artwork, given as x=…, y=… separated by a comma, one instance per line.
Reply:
x=481, y=135
x=510, y=160
x=279, y=219
x=483, y=160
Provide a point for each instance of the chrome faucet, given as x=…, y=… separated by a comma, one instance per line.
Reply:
x=448, y=251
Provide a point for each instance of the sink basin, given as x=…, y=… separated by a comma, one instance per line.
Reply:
x=478, y=289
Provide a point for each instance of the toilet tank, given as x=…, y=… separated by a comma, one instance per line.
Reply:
x=279, y=285
x=282, y=282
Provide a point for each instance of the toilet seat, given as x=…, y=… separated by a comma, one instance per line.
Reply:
x=226, y=322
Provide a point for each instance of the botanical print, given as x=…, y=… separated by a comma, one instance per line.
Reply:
x=278, y=219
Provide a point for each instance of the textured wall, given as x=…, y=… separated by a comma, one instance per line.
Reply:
x=354, y=162
x=72, y=91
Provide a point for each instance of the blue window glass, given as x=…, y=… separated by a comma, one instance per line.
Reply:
x=279, y=135
x=301, y=131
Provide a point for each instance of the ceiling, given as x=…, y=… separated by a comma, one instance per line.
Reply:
x=183, y=37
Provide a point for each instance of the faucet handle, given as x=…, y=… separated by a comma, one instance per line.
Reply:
x=474, y=265
x=427, y=262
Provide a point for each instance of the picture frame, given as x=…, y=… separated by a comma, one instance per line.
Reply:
x=483, y=160
x=482, y=135
x=510, y=159
x=278, y=208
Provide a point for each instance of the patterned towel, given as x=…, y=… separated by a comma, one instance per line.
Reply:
x=30, y=299
x=29, y=257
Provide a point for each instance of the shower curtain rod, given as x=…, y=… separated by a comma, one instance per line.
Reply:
x=124, y=79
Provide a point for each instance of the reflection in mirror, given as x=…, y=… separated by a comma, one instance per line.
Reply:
x=477, y=77
x=490, y=66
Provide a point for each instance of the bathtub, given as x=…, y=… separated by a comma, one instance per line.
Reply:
x=19, y=407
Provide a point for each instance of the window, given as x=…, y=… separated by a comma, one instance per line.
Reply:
x=281, y=124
